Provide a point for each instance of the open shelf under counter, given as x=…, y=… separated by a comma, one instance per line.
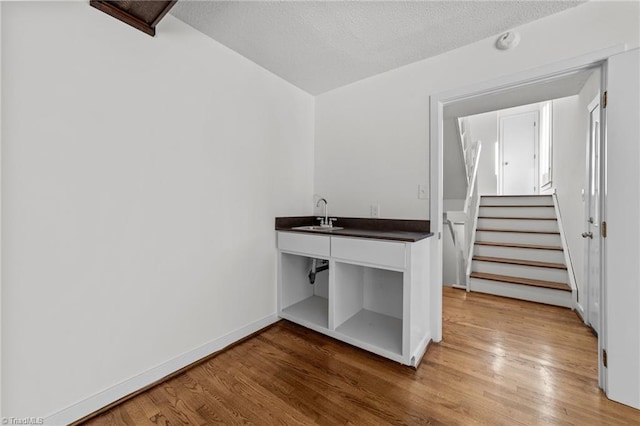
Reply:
x=313, y=310
x=374, y=329
x=370, y=290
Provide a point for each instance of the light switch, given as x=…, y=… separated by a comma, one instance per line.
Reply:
x=375, y=211
x=423, y=192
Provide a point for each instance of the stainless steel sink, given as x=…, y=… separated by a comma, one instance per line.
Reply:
x=317, y=228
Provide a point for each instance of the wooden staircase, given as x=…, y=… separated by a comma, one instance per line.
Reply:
x=518, y=250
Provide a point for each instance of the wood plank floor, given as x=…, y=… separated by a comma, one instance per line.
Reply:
x=501, y=362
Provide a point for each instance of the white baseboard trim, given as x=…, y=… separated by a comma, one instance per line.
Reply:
x=421, y=350
x=580, y=310
x=114, y=393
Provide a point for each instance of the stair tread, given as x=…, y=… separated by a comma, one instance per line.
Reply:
x=516, y=205
x=516, y=195
x=517, y=218
x=523, y=281
x=521, y=231
x=522, y=262
x=517, y=245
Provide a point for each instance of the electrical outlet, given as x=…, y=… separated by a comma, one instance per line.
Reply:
x=375, y=211
x=423, y=192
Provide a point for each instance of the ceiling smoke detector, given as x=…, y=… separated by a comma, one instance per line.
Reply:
x=508, y=40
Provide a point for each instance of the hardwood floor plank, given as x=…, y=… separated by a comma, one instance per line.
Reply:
x=187, y=389
x=324, y=390
x=552, y=265
x=518, y=231
x=135, y=412
x=313, y=405
x=501, y=362
x=174, y=408
x=220, y=389
x=145, y=405
x=455, y=407
x=517, y=245
x=254, y=396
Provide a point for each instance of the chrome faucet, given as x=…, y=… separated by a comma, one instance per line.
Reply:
x=324, y=221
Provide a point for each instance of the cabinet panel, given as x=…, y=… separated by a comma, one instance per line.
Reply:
x=317, y=245
x=374, y=294
x=383, y=253
x=349, y=291
x=383, y=291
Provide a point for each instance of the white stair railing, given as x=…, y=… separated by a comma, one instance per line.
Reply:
x=461, y=224
x=471, y=211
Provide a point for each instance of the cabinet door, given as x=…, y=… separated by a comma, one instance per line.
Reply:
x=317, y=245
x=375, y=252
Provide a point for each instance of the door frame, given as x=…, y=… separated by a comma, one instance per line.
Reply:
x=438, y=101
x=588, y=202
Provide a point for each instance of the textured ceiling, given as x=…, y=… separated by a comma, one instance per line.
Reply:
x=321, y=45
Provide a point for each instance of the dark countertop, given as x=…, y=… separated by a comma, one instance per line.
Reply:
x=381, y=229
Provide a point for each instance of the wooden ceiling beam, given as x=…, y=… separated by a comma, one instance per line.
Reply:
x=142, y=15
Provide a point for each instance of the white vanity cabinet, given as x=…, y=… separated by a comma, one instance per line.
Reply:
x=374, y=295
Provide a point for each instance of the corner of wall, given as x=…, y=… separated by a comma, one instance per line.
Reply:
x=154, y=375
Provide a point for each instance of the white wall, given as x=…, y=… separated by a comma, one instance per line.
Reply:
x=140, y=180
x=370, y=152
x=372, y=136
x=484, y=127
x=569, y=156
x=454, y=184
x=570, y=135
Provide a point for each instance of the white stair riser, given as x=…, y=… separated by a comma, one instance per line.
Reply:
x=516, y=201
x=538, y=255
x=521, y=271
x=541, y=212
x=519, y=238
x=519, y=224
x=523, y=292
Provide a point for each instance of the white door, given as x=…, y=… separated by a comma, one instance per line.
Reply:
x=518, y=145
x=592, y=234
x=621, y=247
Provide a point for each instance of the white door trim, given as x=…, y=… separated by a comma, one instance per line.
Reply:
x=586, y=301
x=437, y=102
x=1, y=413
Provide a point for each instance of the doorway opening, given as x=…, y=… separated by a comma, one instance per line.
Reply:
x=523, y=136
x=518, y=152
x=536, y=86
